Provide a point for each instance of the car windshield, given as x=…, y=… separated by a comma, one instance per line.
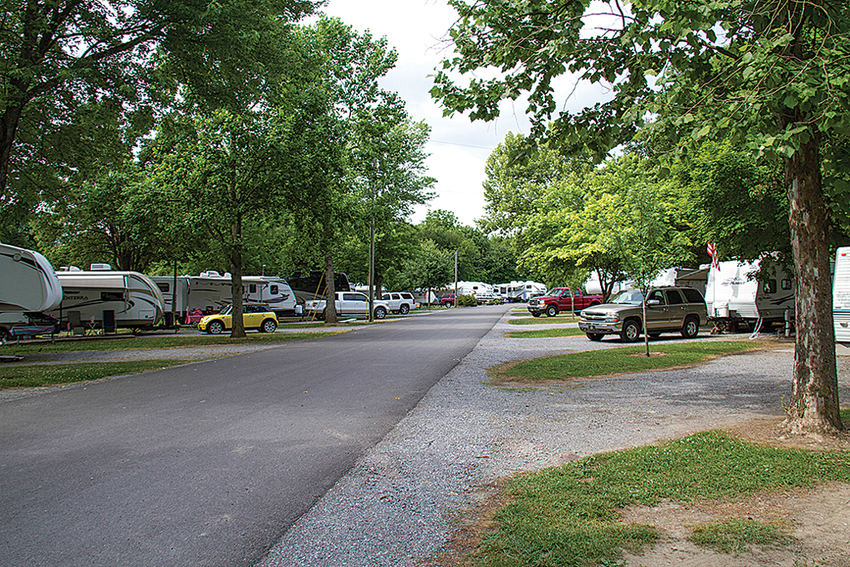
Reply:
x=628, y=297
x=554, y=291
x=225, y=310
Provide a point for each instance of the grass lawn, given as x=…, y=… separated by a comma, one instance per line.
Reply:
x=37, y=375
x=605, y=362
x=544, y=333
x=130, y=342
x=544, y=320
x=567, y=515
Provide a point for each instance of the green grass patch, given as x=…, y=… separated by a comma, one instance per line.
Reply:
x=609, y=361
x=568, y=515
x=734, y=535
x=159, y=342
x=544, y=320
x=37, y=375
x=544, y=333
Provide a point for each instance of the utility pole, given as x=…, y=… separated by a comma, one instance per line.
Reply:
x=455, y=303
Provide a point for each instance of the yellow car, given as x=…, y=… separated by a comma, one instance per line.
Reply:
x=254, y=316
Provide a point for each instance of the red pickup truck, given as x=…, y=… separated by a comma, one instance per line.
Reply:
x=559, y=299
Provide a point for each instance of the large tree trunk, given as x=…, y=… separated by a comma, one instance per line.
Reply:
x=330, y=293
x=8, y=127
x=814, y=402
x=238, y=330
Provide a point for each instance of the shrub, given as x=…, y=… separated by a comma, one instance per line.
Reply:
x=466, y=301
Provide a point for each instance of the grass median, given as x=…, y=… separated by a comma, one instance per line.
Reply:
x=130, y=342
x=609, y=361
x=569, y=515
x=544, y=333
x=40, y=375
x=544, y=320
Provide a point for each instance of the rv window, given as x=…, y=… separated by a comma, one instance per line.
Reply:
x=770, y=286
x=273, y=289
x=252, y=288
x=163, y=287
x=786, y=285
x=111, y=296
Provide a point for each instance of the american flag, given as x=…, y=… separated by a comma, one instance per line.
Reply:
x=712, y=251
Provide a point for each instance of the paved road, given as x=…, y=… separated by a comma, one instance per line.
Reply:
x=210, y=463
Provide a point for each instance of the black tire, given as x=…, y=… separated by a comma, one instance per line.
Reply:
x=691, y=328
x=215, y=327
x=595, y=337
x=404, y=309
x=268, y=326
x=537, y=314
x=380, y=312
x=654, y=335
x=551, y=310
x=630, y=332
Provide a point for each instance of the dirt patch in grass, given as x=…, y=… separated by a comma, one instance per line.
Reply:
x=817, y=520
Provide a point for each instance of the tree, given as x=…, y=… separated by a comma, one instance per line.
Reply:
x=61, y=56
x=770, y=74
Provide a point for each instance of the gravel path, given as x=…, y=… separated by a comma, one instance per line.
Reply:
x=395, y=507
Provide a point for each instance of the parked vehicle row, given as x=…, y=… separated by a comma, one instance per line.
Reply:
x=349, y=303
x=561, y=299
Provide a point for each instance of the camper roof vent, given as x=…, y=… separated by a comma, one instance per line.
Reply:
x=69, y=269
x=210, y=274
x=100, y=267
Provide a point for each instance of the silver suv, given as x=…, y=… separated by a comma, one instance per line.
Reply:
x=668, y=309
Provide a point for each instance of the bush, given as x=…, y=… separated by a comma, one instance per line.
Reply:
x=466, y=301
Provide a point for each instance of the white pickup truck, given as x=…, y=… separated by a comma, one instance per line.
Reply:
x=349, y=303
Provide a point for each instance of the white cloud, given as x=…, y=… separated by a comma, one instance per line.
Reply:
x=458, y=148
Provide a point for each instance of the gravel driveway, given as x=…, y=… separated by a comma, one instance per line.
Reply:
x=396, y=506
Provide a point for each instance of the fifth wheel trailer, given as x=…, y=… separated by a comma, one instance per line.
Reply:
x=841, y=296
x=109, y=299
x=734, y=295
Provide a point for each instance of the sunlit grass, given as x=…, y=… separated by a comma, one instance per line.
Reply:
x=544, y=333
x=38, y=375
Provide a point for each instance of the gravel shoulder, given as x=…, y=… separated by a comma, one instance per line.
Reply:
x=402, y=501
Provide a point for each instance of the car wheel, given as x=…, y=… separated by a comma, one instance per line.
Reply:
x=691, y=328
x=595, y=336
x=215, y=327
x=630, y=332
x=551, y=311
x=268, y=326
x=537, y=314
x=380, y=312
x=404, y=309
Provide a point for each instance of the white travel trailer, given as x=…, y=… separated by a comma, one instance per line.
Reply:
x=841, y=296
x=687, y=277
x=481, y=291
x=108, y=299
x=517, y=291
x=210, y=291
x=27, y=282
x=733, y=294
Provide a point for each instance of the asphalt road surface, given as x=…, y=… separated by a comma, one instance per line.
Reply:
x=209, y=464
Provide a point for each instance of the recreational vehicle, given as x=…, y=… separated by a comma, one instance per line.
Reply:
x=520, y=291
x=841, y=296
x=27, y=282
x=108, y=299
x=481, y=291
x=733, y=295
x=209, y=291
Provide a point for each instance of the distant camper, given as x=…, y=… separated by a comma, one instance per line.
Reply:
x=108, y=299
x=210, y=291
x=733, y=294
x=841, y=296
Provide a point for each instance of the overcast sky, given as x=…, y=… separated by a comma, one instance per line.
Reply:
x=458, y=148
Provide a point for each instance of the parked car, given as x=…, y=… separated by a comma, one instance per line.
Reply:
x=399, y=302
x=254, y=316
x=561, y=299
x=447, y=299
x=349, y=303
x=670, y=308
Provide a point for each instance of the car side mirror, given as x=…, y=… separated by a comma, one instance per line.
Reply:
x=653, y=302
